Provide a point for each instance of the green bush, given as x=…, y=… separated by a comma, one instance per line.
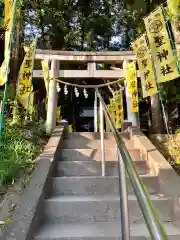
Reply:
x=174, y=148
x=18, y=148
x=178, y=130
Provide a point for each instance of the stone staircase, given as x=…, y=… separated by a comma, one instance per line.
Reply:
x=81, y=204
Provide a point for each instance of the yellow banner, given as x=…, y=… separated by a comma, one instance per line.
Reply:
x=98, y=120
x=130, y=73
x=6, y=6
x=27, y=100
x=131, y=79
x=134, y=107
x=2, y=73
x=70, y=128
x=8, y=22
x=107, y=121
x=45, y=68
x=58, y=114
x=119, y=109
x=148, y=78
x=8, y=19
x=164, y=60
x=25, y=74
x=113, y=110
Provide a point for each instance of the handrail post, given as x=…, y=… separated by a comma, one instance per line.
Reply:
x=102, y=139
x=123, y=199
x=95, y=111
x=156, y=229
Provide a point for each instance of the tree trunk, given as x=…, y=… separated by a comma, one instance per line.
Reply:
x=157, y=125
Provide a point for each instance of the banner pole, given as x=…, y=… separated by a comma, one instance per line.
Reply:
x=7, y=68
x=163, y=110
x=161, y=102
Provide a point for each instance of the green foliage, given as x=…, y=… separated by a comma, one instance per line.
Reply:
x=84, y=25
x=1, y=13
x=174, y=7
x=70, y=128
x=18, y=148
x=58, y=114
x=11, y=92
x=174, y=148
x=76, y=25
x=170, y=91
x=13, y=108
x=178, y=130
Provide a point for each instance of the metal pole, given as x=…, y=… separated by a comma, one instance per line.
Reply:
x=123, y=199
x=95, y=112
x=102, y=139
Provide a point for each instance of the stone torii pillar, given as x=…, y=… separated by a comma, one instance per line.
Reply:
x=131, y=117
x=52, y=97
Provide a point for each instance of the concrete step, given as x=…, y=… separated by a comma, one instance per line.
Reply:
x=98, y=231
x=64, y=209
x=94, y=154
x=92, y=135
x=93, y=144
x=93, y=168
x=96, y=185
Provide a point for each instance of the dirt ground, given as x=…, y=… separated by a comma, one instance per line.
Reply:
x=9, y=200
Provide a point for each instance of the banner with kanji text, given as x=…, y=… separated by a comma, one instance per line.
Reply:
x=164, y=59
x=131, y=79
x=24, y=87
x=113, y=110
x=107, y=120
x=45, y=69
x=9, y=6
x=130, y=74
x=8, y=20
x=119, y=108
x=146, y=69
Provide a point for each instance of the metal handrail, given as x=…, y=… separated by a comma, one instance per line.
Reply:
x=156, y=230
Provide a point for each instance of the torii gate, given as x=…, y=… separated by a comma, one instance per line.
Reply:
x=91, y=59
